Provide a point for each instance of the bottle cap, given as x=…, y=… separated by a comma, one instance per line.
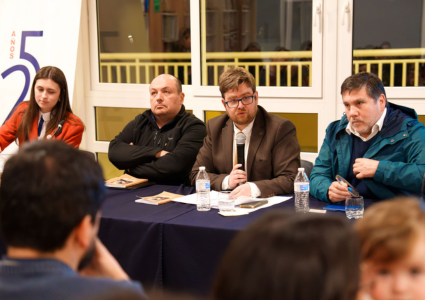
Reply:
x=300, y=169
x=201, y=168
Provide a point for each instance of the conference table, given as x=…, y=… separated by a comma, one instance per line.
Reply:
x=172, y=246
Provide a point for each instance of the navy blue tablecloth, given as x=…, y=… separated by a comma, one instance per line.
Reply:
x=133, y=231
x=194, y=242
x=171, y=246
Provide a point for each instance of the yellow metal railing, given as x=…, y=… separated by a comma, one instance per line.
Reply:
x=143, y=67
x=389, y=58
x=146, y=66
x=260, y=62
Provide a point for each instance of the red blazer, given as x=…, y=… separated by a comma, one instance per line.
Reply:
x=72, y=131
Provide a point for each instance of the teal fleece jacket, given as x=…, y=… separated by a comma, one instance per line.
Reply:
x=399, y=148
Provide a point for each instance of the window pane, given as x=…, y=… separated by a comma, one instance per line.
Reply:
x=109, y=170
x=388, y=40
x=306, y=125
x=139, y=40
x=111, y=120
x=270, y=38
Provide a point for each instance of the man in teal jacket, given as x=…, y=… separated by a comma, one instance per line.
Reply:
x=379, y=147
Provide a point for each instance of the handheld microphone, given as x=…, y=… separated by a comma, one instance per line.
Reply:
x=57, y=131
x=240, y=148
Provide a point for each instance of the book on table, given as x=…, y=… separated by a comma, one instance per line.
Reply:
x=125, y=181
x=162, y=198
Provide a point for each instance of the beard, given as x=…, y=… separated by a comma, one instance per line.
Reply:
x=362, y=128
x=243, y=119
x=88, y=256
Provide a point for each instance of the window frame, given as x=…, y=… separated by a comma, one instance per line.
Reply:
x=315, y=91
x=405, y=96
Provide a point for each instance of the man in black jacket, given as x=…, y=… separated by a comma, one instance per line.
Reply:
x=162, y=143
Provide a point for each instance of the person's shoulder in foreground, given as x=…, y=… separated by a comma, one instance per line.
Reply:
x=50, y=200
x=43, y=279
x=271, y=148
x=377, y=146
x=162, y=143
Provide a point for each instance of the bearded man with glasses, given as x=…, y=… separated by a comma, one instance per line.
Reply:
x=272, y=151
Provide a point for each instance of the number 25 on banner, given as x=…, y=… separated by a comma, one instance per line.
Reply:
x=22, y=68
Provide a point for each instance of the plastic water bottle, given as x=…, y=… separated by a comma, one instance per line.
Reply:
x=302, y=191
x=203, y=190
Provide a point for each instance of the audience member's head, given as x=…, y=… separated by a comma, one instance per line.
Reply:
x=291, y=256
x=283, y=49
x=184, y=39
x=252, y=47
x=392, y=238
x=47, y=189
x=50, y=199
x=306, y=46
x=386, y=45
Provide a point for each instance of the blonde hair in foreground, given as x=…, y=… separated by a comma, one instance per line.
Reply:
x=389, y=229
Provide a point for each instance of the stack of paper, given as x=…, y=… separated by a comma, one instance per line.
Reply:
x=191, y=199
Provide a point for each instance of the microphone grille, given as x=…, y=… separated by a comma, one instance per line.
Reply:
x=61, y=123
x=240, y=138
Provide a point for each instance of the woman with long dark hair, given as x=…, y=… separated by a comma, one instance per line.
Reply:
x=47, y=115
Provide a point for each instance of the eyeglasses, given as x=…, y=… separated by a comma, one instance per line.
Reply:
x=245, y=101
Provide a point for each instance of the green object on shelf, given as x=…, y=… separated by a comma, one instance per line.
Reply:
x=156, y=5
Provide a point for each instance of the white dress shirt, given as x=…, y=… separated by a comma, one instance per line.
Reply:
x=46, y=118
x=375, y=129
x=255, y=191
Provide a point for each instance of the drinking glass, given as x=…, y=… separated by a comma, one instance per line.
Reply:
x=354, y=207
x=225, y=203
